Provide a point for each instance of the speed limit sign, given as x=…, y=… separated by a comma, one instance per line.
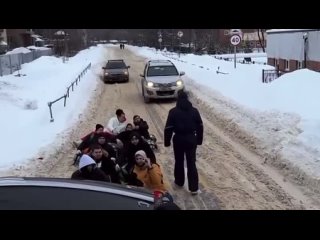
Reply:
x=235, y=40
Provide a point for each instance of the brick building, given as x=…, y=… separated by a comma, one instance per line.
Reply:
x=292, y=49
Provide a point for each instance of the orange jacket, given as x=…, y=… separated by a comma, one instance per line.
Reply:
x=151, y=178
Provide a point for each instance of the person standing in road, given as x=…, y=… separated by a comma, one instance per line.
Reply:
x=185, y=122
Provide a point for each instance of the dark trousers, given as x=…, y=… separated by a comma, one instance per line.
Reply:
x=184, y=145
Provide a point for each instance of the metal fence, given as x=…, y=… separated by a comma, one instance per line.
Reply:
x=270, y=75
x=12, y=62
x=67, y=94
x=246, y=60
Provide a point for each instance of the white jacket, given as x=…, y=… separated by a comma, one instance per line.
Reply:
x=116, y=127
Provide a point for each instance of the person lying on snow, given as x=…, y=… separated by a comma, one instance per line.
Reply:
x=90, y=138
x=118, y=123
x=106, y=163
x=88, y=170
x=136, y=143
x=141, y=126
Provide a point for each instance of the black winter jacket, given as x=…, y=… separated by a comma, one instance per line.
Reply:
x=183, y=120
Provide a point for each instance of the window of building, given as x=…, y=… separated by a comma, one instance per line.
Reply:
x=286, y=63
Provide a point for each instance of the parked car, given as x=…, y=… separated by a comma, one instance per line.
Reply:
x=68, y=194
x=116, y=71
x=161, y=80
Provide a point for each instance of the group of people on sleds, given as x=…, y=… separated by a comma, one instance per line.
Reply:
x=122, y=153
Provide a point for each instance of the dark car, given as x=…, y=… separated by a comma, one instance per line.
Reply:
x=116, y=71
x=68, y=194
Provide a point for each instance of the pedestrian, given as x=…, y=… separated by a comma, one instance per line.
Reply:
x=185, y=122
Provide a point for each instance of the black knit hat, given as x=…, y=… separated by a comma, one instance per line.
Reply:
x=99, y=126
x=134, y=117
x=182, y=95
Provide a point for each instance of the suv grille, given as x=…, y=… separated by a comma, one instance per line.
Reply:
x=167, y=84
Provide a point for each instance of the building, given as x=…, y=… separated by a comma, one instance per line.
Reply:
x=19, y=38
x=291, y=49
x=3, y=41
x=251, y=40
x=3, y=35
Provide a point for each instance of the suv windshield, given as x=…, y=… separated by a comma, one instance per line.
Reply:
x=162, y=71
x=115, y=65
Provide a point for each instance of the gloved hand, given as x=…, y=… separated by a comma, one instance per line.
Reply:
x=78, y=152
x=117, y=167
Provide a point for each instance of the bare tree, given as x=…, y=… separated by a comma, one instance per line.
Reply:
x=261, y=38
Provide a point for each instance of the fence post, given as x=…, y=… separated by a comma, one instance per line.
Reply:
x=10, y=63
x=65, y=100
x=0, y=67
x=68, y=91
x=51, y=117
x=20, y=60
x=262, y=75
x=72, y=86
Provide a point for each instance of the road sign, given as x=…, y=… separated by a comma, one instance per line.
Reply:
x=180, y=34
x=235, y=40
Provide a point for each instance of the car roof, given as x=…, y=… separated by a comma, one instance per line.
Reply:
x=125, y=190
x=160, y=63
x=116, y=60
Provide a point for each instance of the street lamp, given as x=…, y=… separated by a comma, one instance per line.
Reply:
x=62, y=40
x=159, y=39
x=305, y=38
x=180, y=34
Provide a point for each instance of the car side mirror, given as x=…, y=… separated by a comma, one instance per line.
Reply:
x=103, y=67
x=182, y=73
x=128, y=66
x=141, y=75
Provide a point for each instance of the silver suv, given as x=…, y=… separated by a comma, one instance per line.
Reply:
x=160, y=80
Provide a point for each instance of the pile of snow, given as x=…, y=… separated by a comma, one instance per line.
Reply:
x=37, y=48
x=18, y=50
x=25, y=122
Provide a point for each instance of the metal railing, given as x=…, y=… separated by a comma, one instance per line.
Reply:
x=67, y=94
x=246, y=60
x=270, y=75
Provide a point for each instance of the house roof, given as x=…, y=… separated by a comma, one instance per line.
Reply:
x=60, y=33
x=271, y=31
x=253, y=36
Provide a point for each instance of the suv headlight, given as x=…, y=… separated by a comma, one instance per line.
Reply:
x=149, y=84
x=125, y=73
x=179, y=83
x=106, y=73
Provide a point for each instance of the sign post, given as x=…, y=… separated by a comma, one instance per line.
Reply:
x=160, y=41
x=235, y=40
x=180, y=34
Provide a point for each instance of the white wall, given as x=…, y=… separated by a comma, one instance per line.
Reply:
x=288, y=45
x=313, y=46
x=3, y=35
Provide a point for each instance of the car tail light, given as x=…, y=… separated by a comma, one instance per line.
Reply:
x=157, y=195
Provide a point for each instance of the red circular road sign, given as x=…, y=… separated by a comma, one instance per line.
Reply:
x=235, y=40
